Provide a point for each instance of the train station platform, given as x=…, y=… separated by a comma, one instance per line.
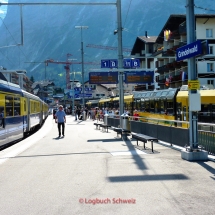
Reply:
x=94, y=172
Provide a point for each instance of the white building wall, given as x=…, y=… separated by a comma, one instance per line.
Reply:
x=202, y=24
x=207, y=81
x=202, y=66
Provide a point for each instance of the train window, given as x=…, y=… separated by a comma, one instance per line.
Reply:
x=152, y=106
x=1, y=117
x=16, y=106
x=138, y=104
x=157, y=107
x=24, y=105
x=170, y=107
x=162, y=107
x=184, y=113
x=9, y=106
x=147, y=106
x=213, y=112
x=142, y=105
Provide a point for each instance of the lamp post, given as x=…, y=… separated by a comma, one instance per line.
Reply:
x=73, y=97
x=82, y=59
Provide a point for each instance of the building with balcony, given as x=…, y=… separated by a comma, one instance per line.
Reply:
x=159, y=53
x=174, y=35
x=143, y=49
x=18, y=77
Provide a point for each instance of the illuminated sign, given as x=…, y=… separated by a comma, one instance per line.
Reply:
x=141, y=77
x=103, y=78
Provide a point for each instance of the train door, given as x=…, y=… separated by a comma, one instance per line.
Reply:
x=3, y=134
x=179, y=113
x=24, y=112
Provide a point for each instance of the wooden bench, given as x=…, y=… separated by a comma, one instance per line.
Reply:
x=120, y=131
x=97, y=125
x=144, y=139
x=105, y=126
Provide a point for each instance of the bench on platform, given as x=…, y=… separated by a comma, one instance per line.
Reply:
x=105, y=126
x=97, y=125
x=144, y=139
x=120, y=131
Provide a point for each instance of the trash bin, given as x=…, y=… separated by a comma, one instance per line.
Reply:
x=125, y=121
x=106, y=119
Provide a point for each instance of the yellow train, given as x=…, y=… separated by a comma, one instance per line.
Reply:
x=169, y=104
x=20, y=112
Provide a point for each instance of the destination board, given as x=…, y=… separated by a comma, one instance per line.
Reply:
x=141, y=77
x=103, y=78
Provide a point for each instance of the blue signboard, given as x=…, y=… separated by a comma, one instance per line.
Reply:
x=131, y=63
x=189, y=50
x=105, y=63
x=127, y=63
x=110, y=63
x=113, y=63
x=103, y=77
x=142, y=77
x=86, y=95
x=77, y=89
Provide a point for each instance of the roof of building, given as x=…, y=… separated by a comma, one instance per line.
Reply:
x=42, y=83
x=148, y=39
x=139, y=41
x=175, y=20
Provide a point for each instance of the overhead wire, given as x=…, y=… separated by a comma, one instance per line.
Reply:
x=202, y=8
x=18, y=45
x=127, y=12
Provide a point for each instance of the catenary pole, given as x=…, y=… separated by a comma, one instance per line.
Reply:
x=193, y=119
x=120, y=59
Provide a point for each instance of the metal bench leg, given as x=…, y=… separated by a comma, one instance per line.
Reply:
x=152, y=145
x=144, y=145
x=137, y=142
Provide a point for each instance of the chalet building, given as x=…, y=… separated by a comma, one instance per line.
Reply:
x=159, y=53
x=44, y=90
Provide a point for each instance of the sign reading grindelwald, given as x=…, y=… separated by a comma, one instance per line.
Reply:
x=189, y=50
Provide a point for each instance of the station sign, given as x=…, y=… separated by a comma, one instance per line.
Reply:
x=191, y=50
x=103, y=78
x=127, y=63
x=131, y=63
x=142, y=77
x=110, y=63
x=193, y=85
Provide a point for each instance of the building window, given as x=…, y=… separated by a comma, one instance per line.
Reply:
x=211, y=51
x=210, y=67
x=209, y=33
x=211, y=82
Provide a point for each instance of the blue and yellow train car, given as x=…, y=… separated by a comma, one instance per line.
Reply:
x=20, y=112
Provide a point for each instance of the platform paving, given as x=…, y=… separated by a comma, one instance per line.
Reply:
x=93, y=172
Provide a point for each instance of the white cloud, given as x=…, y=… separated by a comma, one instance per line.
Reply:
x=2, y=12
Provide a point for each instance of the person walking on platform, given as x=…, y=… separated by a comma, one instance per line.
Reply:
x=60, y=119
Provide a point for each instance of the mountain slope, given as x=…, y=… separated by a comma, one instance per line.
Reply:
x=49, y=31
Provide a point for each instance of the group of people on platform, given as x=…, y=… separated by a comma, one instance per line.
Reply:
x=94, y=114
x=98, y=113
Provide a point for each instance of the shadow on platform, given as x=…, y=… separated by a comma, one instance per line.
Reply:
x=135, y=178
x=105, y=140
x=63, y=154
